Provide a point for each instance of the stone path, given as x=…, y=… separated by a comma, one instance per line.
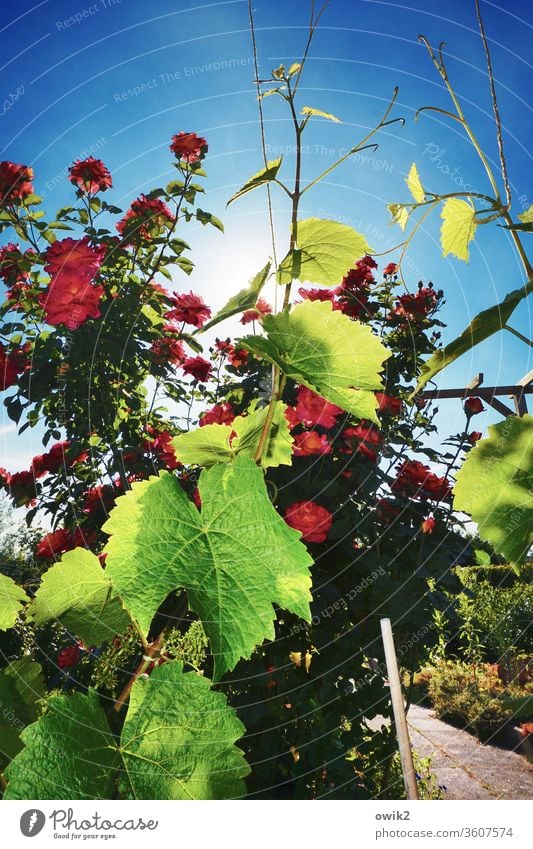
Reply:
x=469, y=769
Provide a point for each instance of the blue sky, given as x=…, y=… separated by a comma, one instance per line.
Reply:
x=119, y=78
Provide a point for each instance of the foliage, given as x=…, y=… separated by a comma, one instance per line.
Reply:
x=220, y=584
x=472, y=697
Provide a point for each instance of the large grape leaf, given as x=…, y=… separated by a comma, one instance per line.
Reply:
x=458, y=227
x=12, y=600
x=325, y=252
x=178, y=739
x=327, y=352
x=244, y=300
x=485, y=324
x=21, y=687
x=236, y=558
x=495, y=486
x=218, y=443
x=69, y=753
x=78, y=593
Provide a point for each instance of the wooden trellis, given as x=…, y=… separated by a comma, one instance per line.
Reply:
x=518, y=392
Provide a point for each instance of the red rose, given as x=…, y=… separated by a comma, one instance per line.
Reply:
x=15, y=182
x=189, y=308
x=313, y=410
x=189, y=147
x=473, y=406
x=22, y=488
x=416, y=479
x=309, y=443
x=167, y=350
x=416, y=307
x=319, y=295
x=475, y=436
x=223, y=346
x=428, y=525
x=261, y=309
x=74, y=257
x=99, y=499
x=145, y=218
x=389, y=269
x=54, y=543
x=360, y=439
x=292, y=417
x=90, y=175
x=389, y=404
x=237, y=357
x=70, y=298
x=198, y=368
x=67, y=658
x=71, y=301
x=11, y=258
x=219, y=414
x=11, y=365
x=161, y=447
x=313, y=521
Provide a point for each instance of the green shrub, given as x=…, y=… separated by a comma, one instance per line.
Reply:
x=470, y=697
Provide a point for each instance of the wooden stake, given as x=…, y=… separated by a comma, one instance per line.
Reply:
x=402, y=732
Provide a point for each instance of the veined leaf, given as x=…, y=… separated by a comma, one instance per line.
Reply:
x=246, y=299
x=414, y=184
x=213, y=443
x=178, y=739
x=311, y=111
x=326, y=250
x=327, y=352
x=495, y=486
x=77, y=592
x=399, y=214
x=177, y=742
x=69, y=753
x=485, y=324
x=458, y=227
x=235, y=558
x=262, y=177
x=12, y=600
x=21, y=687
x=527, y=216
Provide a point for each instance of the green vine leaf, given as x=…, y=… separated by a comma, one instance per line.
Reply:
x=235, y=558
x=69, y=753
x=78, y=593
x=169, y=755
x=244, y=300
x=21, y=687
x=485, y=324
x=326, y=250
x=265, y=175
x=327, y=352
x=495, y=484
x=12, y=600
x=217, y=443
x=311, y=111
x=414, y=184
x=527, y=216
x=399, y=214
x=458, y=228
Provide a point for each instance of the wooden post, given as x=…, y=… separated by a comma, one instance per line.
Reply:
x=402, y=732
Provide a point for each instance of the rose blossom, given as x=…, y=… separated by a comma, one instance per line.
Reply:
x=189, y=308
x=197, y=367
x=15, y=182
x=189, y=147
x=313, y=521
x=90, y=175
